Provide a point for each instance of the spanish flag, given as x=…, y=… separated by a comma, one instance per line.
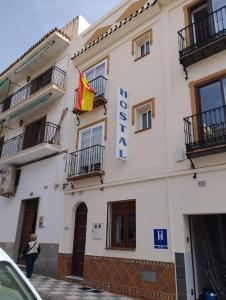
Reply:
x=85, y=95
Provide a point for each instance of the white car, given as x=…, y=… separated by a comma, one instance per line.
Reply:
x=13, y=284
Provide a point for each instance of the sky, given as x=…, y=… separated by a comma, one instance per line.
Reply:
x=24, y=22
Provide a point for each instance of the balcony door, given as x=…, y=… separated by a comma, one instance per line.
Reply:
x=96, y=71
x=34, y=133
x=89, y=158
x=207, y=18
x=212, y=118
x=201, y=25
x=95, y=76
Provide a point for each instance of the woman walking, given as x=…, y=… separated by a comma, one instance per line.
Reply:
x=31, y=253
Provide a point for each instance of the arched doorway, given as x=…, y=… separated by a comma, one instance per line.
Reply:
x=79, y=240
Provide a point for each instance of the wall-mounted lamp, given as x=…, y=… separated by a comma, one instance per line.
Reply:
x=21, y=122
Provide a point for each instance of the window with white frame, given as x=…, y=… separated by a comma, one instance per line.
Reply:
x=144, y=48
x=141, y=45
x=142, y=114
x=90, y=152
x=96, y=77
x=143, y=117
x=96, y=71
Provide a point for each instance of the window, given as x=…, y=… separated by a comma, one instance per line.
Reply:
x=203, y=23
x=91, y=136
x=144, y=49
x=90, y=145
x=206, y=128
x=141, y=45
x=12, y=285
x=211, y=105
x=145, y=119
x=96, y=71
x=122, y=224
x=96, y=76
x=142, y=114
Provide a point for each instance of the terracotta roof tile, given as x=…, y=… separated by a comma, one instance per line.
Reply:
x=33, y=47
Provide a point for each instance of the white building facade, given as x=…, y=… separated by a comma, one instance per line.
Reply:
x=134, y=199
x=144, y=209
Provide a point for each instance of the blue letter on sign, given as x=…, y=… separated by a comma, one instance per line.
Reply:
x=122, y=141
x=123, y=116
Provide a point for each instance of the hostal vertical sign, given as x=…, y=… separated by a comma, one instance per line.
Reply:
x=122, y=117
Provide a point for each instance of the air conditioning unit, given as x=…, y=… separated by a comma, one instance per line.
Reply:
x=7, y=181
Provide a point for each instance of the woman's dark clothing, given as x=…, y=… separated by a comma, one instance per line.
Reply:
x=31, y=253
x=30, y=259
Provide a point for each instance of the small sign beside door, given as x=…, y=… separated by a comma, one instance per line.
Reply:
x=160, y=239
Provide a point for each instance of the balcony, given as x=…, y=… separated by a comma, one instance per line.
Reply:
x=49, y=83
x=86, y=163
x=42, y=141
x=205, y=133
x=202, y=39
x=99, y=86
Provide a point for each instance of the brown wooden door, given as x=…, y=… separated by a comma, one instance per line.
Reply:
x=34, y=133
x=79, y=240
x=29, y=223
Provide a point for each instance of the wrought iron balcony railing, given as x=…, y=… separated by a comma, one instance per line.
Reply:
x=203, y=32
x=54, y=75
x=45, y=133
x=86, y=162
x=205, y=130
x=99, y=86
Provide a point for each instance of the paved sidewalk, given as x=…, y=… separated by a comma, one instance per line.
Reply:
x=52, y=289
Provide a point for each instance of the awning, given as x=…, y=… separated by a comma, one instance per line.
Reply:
x=34, y=57
x=39, y=102
x=3, y=82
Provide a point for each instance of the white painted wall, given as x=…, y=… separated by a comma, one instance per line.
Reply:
x=39, y=179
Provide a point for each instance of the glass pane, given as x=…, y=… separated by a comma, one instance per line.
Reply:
x=12, y=286
x=219, y=16
x=119, y=239
x=132, y=229
x=218, y=4
x=201, y=27
x=96, y=138
x=224, y=85
x=142, y=50
x=90, y=75
x=210, y=96
x=149, y=119
x=212, y=117
x=144, y=120
x=85, y=138
x=100, y=70
x=147, y=47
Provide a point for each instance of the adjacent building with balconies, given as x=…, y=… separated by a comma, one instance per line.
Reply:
x=33, y=111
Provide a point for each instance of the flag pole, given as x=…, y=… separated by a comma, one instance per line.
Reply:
x=78, y=69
